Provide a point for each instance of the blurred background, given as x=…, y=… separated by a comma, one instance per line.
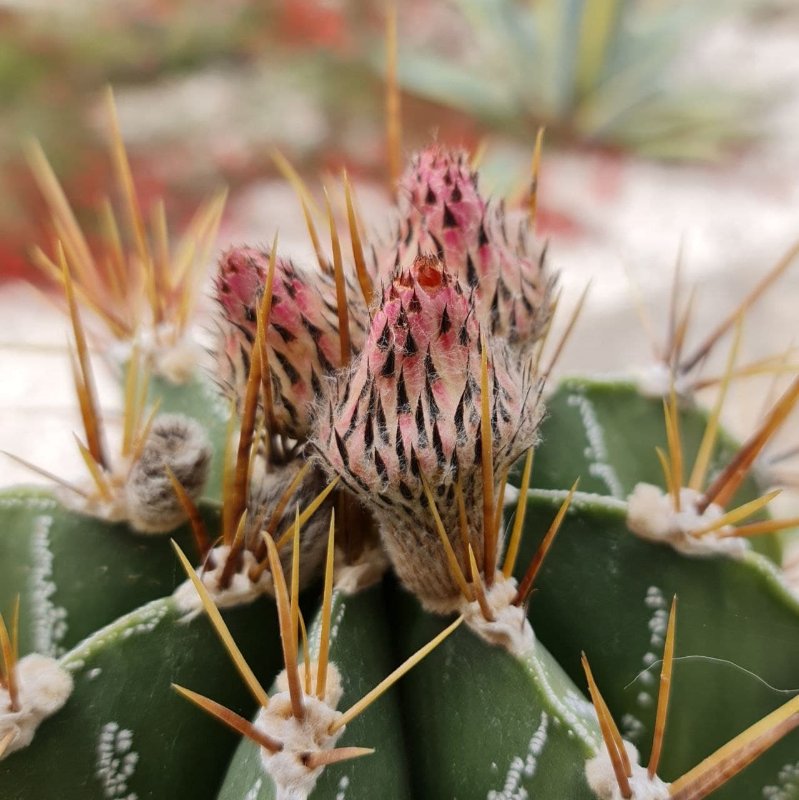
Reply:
x=671, y=129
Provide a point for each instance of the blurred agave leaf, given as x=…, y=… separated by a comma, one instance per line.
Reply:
x=592, y=70
x=454, y=87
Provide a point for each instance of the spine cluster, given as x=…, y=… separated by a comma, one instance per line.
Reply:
x=400, y=410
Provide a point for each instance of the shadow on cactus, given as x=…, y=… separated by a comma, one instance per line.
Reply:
x=383, y=399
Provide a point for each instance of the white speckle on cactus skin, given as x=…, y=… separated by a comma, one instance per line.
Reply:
x=523, y=767
x=343, y=785
x=335, y=623
x=655, y=601
x=137, y=623
x=241, y=591
x=254, y=790
x=600, y=468
x=632, y=728
x=116, y=761
x=44, y=686
x=788, y=784
x=49, y=620
x=644, y=699
x=571, y=711
x=292, y=778
x=602, y=780
x=652, y=516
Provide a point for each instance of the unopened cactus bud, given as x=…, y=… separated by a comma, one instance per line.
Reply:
x=302, y=334
x=410, y=412
x=180, y=444
x=441, y=211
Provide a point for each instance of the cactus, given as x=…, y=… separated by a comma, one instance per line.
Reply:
x=370, y=535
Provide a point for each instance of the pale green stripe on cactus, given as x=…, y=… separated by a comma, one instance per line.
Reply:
x=481, y=722
x=604, y=591
x=361, y=650
x=74, y=573
x=124, y=732
x=199, y=399
x=605, y=432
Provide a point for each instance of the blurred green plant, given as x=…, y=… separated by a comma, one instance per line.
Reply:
x=592, y=71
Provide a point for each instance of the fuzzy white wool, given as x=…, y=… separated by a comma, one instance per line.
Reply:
x=602, y=779
x=292, y=778
x=651, y=515
x=241, y=591
x=658, y=379
x=333, y=686
x=91, y=504
x=177, y=362
x=44, y=687
x=368, y=570
x=171, y=353
x=510, y=628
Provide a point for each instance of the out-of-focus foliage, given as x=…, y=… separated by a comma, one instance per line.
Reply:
x=596, y=71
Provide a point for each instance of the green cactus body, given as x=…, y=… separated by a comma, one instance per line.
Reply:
x=605, y=591
x=75, y=574
x=124, y=732
x=485, y=722
x=586, y=434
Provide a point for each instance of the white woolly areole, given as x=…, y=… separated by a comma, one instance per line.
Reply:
x=333, y=686
x=242, y=589
x=177, y=362
x=366, y=571
x=651, y=515
x=602, y=779
x=510, y=628
x=44, y=687
x=657, y=380
x=292, y=778
x=172, y=353
x=92, y=504
x=511, y=495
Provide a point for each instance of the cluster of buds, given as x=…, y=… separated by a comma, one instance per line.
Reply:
x=419, y=398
